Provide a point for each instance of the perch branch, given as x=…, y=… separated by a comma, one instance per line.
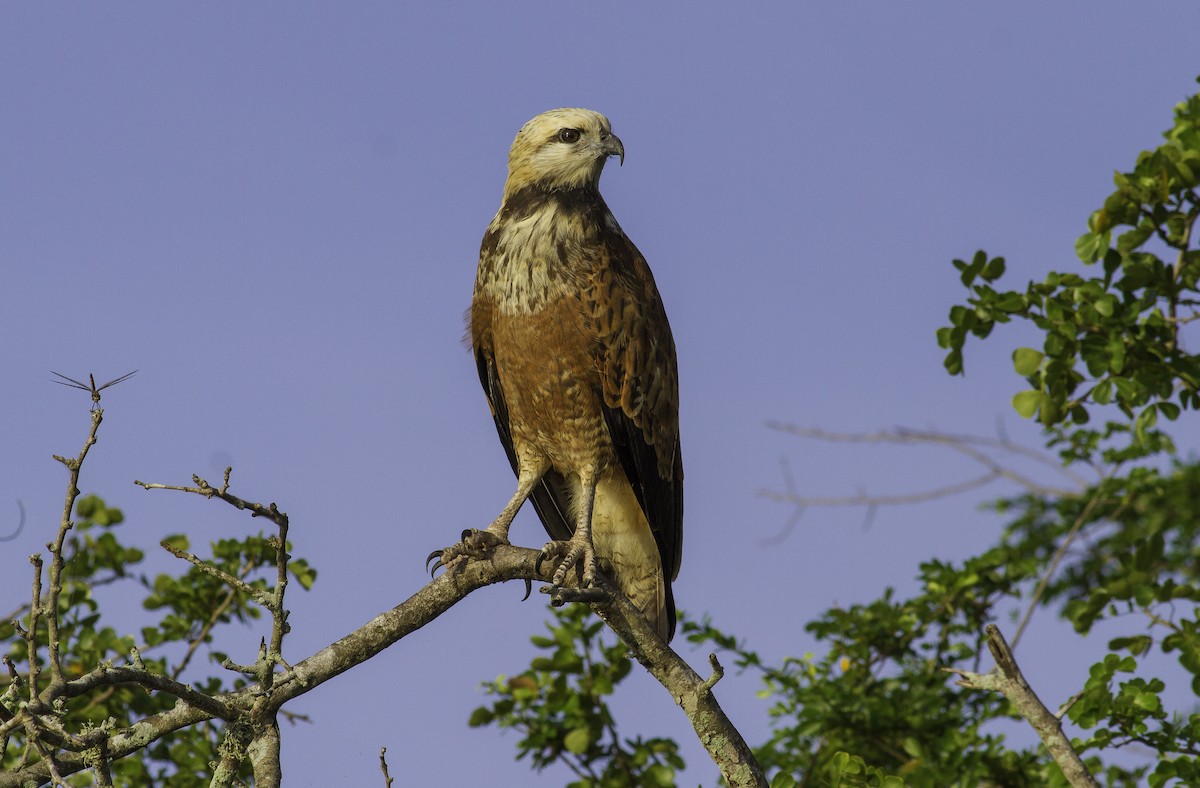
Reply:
x=718, y=734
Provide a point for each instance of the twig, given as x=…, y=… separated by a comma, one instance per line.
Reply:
x=863, y=499
x=53, y=638
x=1010, y=682
x=30, y=636
x=217, y=612
x=261, y=597
x=969, y=445
x=1059, y=554
x=270, y=511
x=261, y=734
x=718, y=672
x=387, y=778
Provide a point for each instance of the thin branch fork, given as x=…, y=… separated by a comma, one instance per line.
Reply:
x=1008, y=680
x=270, y=511
x=974, y=447
x=257, y=730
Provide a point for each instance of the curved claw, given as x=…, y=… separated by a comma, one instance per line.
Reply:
x=551, y=551
x=436, y=566
x=528, y=589
x=474, y=544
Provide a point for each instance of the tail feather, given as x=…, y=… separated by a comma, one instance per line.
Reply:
x=622, y=537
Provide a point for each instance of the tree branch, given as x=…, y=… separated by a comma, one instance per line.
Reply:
x=692, y=693
x=973, y=446
x=717, y=733
x=1010, y=682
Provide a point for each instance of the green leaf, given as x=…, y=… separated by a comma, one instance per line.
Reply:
x=1026, y=403
x=953, y=362
x=1026, y=361
x=1091, y=246
x=1148, y=701
x=994, y=269
x=783, y=780
x=1128, y=241
x=660, y=775
x=1116, y=353
x=578, y=740
x=481, y=716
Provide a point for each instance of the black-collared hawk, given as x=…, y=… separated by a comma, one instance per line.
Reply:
x=577, y=359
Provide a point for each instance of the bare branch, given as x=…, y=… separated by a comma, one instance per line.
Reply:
x=969, y=445
x=387, y=778
x=718, y=672
x=1010, y=682
x=53, y=639
x=270, y=511
x=214, y=617
x=863, y=499
x=972, y=446
x=1059, y=554
x=263, y=598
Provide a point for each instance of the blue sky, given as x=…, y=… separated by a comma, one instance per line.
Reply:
x=274, y=211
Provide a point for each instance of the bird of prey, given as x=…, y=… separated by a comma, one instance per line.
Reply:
x=577, y=359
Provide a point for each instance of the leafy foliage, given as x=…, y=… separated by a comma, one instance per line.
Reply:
x=559, y=707
x=1113, y=338
x=1114, y=344
x=192, y=607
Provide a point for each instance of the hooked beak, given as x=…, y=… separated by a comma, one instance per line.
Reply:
x=611, y=145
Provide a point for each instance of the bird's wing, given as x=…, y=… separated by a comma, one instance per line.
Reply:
x=550, y=497
x=639, y=379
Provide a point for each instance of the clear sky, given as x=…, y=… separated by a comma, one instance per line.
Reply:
x=273, y=211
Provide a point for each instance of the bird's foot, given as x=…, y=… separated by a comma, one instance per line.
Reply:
x=577, y=553
x=474, y=544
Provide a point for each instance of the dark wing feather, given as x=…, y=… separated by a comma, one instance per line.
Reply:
x=640, y=383
x=550, y=496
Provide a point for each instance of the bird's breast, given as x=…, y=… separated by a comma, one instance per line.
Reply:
x=548, y=373
x=527, y=262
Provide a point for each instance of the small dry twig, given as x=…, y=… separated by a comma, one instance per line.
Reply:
x=387, y=778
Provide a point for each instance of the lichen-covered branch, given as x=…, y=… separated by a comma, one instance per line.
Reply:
x=251, y=714
x=1010, y=682
x=688, y=689
x=694, y=694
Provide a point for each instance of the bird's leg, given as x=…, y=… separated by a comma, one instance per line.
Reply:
x=480, y=544
x=578, y=551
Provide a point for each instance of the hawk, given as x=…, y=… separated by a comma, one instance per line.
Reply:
x=578, y=363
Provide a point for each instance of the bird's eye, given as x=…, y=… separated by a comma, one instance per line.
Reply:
x=568, y=135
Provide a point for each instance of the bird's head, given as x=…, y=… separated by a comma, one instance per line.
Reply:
x=562, y=149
